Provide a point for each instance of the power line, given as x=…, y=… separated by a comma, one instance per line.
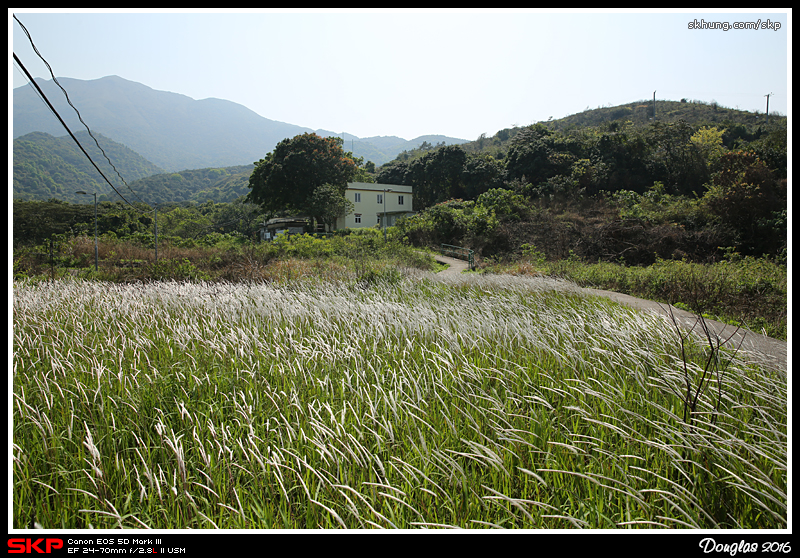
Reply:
x=55, y=112
x=77, y=112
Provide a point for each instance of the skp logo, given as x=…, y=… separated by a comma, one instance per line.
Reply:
x=29, y=546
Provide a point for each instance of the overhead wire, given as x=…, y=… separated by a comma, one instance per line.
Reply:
x=53, y=110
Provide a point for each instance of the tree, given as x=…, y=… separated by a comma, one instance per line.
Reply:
x=481, y=173
x=531, y=155
x=436, y=176
x=745, y=195
x=329, y=203
x=674, y=159
x=708, y=141
x=286, y=179
x=393, y=173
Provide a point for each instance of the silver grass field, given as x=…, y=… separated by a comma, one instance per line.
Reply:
x=420, y=402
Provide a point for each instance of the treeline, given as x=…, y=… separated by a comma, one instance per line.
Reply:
x=731, y=181
x=613, y=157
x=37, y=221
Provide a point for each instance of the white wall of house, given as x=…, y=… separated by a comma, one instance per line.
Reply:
x=369, y=206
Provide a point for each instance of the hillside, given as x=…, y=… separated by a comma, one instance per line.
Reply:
x=199, y=185
x=638, y=114
x=641, y=113
x=47, y=167
x=174, y=131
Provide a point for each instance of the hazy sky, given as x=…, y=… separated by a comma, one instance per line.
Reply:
x=408, y=73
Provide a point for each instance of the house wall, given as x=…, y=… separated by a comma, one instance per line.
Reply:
x=368, y=205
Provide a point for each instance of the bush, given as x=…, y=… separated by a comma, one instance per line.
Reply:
x=175, y=270
x=750, y=291
x=745, y=196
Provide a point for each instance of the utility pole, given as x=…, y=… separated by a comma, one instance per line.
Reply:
x=155, y=230
x=654, y=106
x=768, y=96
x=384, y=212
x=95, y=226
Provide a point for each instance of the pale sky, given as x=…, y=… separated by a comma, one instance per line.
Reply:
x=407, y=73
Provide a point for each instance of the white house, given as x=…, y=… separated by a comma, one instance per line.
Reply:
x=373, y=203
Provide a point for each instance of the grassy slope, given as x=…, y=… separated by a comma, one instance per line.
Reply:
x=409, y=402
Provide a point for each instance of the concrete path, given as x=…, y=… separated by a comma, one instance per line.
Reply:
x=456, y=265
x=759, y=348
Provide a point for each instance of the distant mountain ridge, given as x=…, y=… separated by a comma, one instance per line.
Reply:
x=173, y=131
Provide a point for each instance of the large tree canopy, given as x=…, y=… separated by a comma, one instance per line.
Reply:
x=285, y=180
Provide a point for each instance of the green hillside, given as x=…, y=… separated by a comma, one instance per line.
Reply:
x=46, y=167
x=608, y=184
x=641, y=113
x=200, y=185
x=54, y=167
x=739, y=124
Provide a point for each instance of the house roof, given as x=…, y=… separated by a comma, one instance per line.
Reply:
x=279, y=222
x=370, y=187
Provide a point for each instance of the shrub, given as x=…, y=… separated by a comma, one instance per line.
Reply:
x=175, y=270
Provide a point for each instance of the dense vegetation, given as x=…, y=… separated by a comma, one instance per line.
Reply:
x=48, y=167
x=618, y=191
x=36, y=222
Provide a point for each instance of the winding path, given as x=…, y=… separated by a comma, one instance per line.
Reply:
x=456, y=265
x=759, y=348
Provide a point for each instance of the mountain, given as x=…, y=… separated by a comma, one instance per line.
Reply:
x=173, y=131
x=220, y=185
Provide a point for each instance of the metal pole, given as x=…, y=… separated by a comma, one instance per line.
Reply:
x=95, y=231
x=95, y=224
x=156, y=232
x=768, y=96
x=384, y=212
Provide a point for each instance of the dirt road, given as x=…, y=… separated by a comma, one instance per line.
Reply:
x=759, y=348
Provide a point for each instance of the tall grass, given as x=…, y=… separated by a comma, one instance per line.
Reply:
x=474, y=402
x=749, y=291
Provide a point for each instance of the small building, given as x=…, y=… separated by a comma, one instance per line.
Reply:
x=374, y=204
x=283, y=225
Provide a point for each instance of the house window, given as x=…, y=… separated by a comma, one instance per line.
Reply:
x=399, y=200
x=380, y=198
x=358, y=197
x=358, y=217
